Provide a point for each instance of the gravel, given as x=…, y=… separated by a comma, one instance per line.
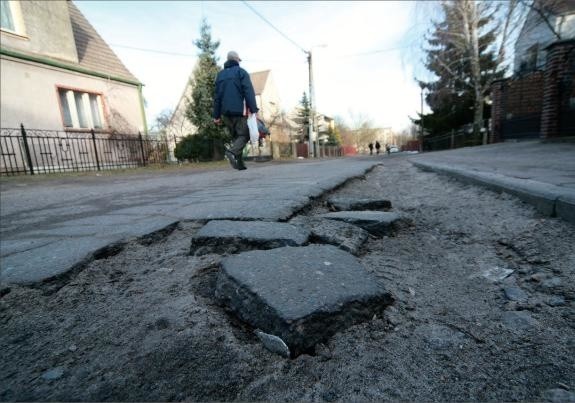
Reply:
x=144, y=325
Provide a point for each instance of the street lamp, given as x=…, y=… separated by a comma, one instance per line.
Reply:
x=311, y=118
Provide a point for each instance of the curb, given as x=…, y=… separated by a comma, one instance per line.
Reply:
x=551, y=200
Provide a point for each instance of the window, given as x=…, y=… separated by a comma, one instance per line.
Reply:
x=11, y=17
x=6, y=18
x=81, y=110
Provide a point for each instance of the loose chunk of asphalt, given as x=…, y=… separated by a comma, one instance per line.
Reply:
x=375, y=222
x=349, y=203
x=345, y=236
x=302, y=295
x=226, y=236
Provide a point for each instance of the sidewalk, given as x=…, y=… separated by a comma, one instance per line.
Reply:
x=542, y=174
x=51, y=228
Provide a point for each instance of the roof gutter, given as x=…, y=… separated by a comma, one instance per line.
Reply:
x=77, y=69
x=142, y=108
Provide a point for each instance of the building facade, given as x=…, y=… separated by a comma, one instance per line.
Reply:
x=57, y=73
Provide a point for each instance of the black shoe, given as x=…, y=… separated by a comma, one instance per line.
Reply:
x=232, y=159
x=242, y=167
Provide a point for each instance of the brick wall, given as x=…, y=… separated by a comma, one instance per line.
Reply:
x=536, y=104
x=559, y=88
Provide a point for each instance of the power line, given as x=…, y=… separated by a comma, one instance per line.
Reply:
x=274, y=27
x=373, y=52
x=152, y=50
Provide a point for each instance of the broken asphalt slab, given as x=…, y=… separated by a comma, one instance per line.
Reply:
x=377, y=223
x=49, y=227
x=227, y=237
x=302, y=295
x=347, y=237
x=349, y=203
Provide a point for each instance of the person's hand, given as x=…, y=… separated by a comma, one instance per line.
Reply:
x=218, y=121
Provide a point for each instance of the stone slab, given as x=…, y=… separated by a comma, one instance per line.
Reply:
x=302, y=295
x=345, y=236
x=226, y=236
x=342, y=203
x=375, y=222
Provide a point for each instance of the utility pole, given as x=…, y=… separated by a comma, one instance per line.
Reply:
x=311, y=111
x=421, y=123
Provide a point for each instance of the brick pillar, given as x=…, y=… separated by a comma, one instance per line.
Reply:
x=497, y=112
x=556, y=71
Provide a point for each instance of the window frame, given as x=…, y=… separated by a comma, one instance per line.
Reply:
x=87, y=109
x=17, y=19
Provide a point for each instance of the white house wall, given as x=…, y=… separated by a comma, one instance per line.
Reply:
x=42, y=27
x=29, y=96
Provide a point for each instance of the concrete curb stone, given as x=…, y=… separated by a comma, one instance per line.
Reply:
x=548, y=199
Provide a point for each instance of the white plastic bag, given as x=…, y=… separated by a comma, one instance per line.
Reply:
x=253, y=126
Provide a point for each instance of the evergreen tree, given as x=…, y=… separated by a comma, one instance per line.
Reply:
x=453, y=96
x=302, y=118
x=203, y=82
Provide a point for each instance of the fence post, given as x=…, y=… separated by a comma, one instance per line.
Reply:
x=27, y=149
x=142, y=148
x=95, y=148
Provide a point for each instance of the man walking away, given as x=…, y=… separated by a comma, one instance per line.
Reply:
x=370, y=145
x=377, y=147
x=234, y=101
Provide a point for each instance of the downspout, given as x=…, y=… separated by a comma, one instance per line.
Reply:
x=142, y=108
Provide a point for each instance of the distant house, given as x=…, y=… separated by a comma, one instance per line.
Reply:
x=57, y=73
x=547, y=22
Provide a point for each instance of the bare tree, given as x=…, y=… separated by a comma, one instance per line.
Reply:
x=473, y=19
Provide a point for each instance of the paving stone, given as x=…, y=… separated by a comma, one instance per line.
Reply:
x=225, y=236
x=350, y=203
x=515, y=294
x=519, y=320
x=559, y=395
x=302, y=295
x=555, y=300
x=375, y=222
x=345, y=236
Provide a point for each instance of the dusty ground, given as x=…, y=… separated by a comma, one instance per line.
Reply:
x=142, y=325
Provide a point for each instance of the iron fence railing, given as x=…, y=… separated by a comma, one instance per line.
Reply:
x=462, y=137
x=33, y=151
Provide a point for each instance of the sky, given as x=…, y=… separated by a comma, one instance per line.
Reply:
x=365, y=54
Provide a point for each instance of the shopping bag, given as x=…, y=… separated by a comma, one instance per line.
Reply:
x=253, y=127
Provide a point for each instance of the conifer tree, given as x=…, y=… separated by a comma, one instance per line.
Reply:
x=302, y=118
x=203, y=82
x=462, y=55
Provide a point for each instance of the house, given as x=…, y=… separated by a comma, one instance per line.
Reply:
x=267, y=99
x=538, y=101
x=548, y=21
x=57, y=73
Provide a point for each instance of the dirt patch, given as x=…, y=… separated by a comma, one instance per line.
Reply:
x=142, y=324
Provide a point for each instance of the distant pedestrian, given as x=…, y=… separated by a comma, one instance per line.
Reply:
x=234, y=101
x=388, y=149
x=377, y=147
x=370, y=145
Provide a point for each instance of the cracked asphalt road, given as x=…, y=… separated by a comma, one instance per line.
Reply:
x=143, y=324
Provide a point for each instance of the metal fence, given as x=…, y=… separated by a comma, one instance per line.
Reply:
x=462, y=137
x=32, y=151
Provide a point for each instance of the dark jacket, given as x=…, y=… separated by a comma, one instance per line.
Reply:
x=233, y=86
